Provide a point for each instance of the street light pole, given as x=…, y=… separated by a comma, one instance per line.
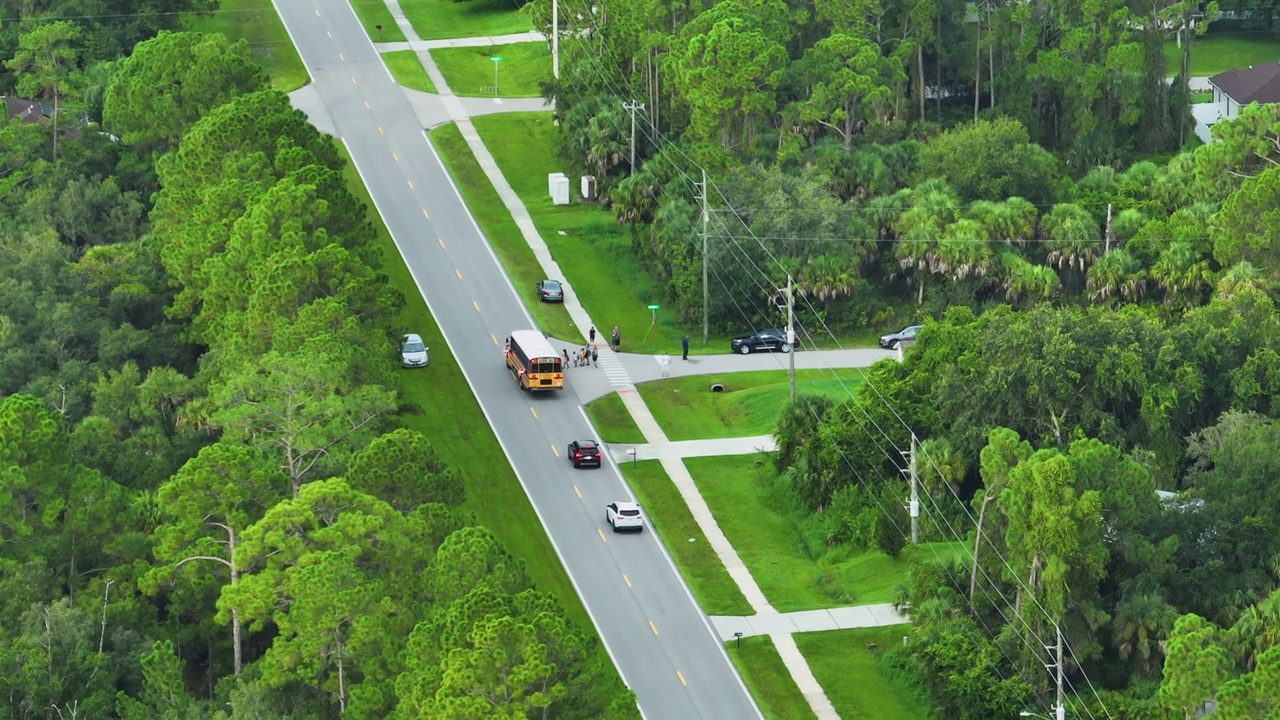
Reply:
x=632, y=106
x=555, y=39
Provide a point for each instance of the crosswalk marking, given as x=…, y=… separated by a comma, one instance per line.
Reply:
x=613, y=369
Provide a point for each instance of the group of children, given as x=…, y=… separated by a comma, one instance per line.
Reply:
x=588, y=355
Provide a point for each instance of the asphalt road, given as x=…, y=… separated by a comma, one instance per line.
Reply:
x=663, y=645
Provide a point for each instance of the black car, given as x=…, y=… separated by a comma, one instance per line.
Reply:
x=550, y=291
x=767, y=339
x=585, y=452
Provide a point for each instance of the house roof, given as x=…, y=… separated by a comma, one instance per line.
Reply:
x=27, y=111
x=1260, y=84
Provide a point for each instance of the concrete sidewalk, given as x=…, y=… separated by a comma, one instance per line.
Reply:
x=694, y=448
x=618, y=376
x=842, y=618
x=485, y=41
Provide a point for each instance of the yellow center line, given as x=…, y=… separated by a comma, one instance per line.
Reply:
x=395, y=157
x=326, y=32
x=340, y=57
x=682, y=680
x=535, y=413
x=367, y=106
x=317, y=12
x=601, y=535
x=457, y=272
x=556, y=451
x=441, y=241
x=653, y=627
x=495, y=338
x=579, y=492
x=381, y=131
x=425, y=215
x=410, y=184
x=353, y=80
x=473, y=302
x=626, y=579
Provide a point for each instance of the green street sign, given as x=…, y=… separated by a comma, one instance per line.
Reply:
x=496, y=58
x=653, y=307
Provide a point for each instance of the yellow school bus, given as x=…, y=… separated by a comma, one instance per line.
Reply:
x=533, y=362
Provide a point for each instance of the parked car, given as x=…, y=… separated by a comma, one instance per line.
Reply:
x=585, y=452
x=892, y=339
x=413, y=352
x=624, y=515
x=550, y=291
x=767, y=339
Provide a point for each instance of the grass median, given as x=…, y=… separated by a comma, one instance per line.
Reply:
x=442, y=19
x=407, y=70
x=686, y=408
x=470, y=70
x=851, y=668
x=613, y=421
x=767, y=678
x=256, y=22
x=498, y=227
x=374, y=13
x=668, y=516
x=781, y=544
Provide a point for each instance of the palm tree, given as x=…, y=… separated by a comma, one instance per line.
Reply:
x=1257, y=630
x=1116, y=275
x=828, y=277
x=933, y=208
x=944, y=467
x=1022, y=280
x=1238, y=278
x=1073, y=237
x=605, y=145
x=1182, y=272
x=1011, y=222
x=1141, y=627
x=964, y=252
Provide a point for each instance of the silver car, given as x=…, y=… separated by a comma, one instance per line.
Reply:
x=413, y=352
x=624, y=515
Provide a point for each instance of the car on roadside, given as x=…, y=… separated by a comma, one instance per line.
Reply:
x=585, y=453
x=766, y=339
x=550, y=291
x=413, y=352
x=891, y=340
x=624, y=515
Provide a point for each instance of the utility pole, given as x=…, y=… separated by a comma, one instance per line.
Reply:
x=632, y=106
x=791, y=336
x=914, y=507
x=706, y=218
x=555, y=39
x=1060, y=712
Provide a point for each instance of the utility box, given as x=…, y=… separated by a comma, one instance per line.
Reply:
x=588, y=187
x=558, y=186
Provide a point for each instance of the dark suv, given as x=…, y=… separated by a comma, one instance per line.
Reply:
x=767, y=339
x=585, y=452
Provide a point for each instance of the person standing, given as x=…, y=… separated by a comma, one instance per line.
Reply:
x=595, y=357
x=591, y=336
x=684, y=346
x=566, y=357
x=666, y=364
x=617, y=339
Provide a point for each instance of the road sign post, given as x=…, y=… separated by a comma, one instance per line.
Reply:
x=496, y=59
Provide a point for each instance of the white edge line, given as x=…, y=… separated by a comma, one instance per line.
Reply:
x=706, y=621
x=505, y=451
x=463, y=366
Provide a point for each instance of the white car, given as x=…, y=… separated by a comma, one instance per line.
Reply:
x=413, y=352
x=623, y=515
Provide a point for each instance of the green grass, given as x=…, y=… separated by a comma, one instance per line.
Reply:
x=1201, y=97
x=594, y=252
x=500, y=229
x=469, y=71
x=1219, y=52
x=448, y=414
x=257, y=23
x=794, y=569
x=441, y=19
x=613, y=421
x=768, y=680
x=686, y=408
x=407, y=69
x=373, y=13
x=668, y=515
x=855, y=677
